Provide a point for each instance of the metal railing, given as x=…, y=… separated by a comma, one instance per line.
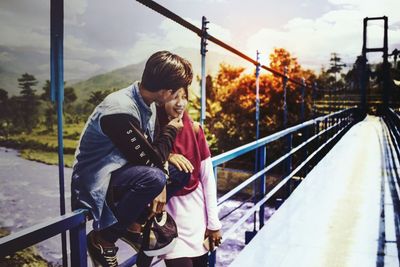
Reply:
x=392, y=119
x=74, y=222
x=327, y=129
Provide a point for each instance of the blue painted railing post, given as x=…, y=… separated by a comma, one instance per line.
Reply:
x=257, y=118
x=262, y=162
x=57, y=94
x=303, y=88
x=203, y=51
x=250, y=234
x=285, y=109
x=212, y=257
x=288, y=161
x=77, y=237
x=313, y=95
x=303, y=115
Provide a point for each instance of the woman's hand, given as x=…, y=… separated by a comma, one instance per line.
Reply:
x=182, y=163
x=214, y=237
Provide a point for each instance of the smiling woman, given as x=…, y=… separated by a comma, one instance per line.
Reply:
x=177, y=105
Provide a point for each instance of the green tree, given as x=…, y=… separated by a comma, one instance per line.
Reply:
x=96, y=97
x=29, y=101
x=5, y=119
x=50, y=112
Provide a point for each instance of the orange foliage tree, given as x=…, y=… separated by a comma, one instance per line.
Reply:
x=230, y=118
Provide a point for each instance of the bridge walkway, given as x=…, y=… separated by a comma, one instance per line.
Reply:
x=344, y=213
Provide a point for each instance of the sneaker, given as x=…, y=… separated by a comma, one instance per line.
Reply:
x=105, y=257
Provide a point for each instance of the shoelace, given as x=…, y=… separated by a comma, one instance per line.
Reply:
x=110, y=255
x=111, y=260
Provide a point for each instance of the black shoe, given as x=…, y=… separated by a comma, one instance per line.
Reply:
x=134, y=239
x=105, y=257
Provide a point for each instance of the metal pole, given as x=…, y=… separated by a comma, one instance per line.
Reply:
x=257, y=163
x=285, y=111
x=288, y=161
x=262, y=163
x=303, y=88
x=314, y=87
x=363, y=62
x=203, y=51
x=303, y=116
x=386, y=67
x=57, y=94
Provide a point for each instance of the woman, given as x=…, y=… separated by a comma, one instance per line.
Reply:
x=194, y=208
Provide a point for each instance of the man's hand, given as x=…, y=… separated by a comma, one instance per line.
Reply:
x=158, y=204
x=177, y=123
x=182, y=163
x=214, y=237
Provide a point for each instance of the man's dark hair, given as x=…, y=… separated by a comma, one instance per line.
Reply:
x=165, y=70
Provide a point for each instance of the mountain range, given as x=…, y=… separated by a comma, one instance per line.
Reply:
x=14, y=63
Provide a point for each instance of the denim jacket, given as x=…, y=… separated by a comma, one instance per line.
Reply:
x=96, y=156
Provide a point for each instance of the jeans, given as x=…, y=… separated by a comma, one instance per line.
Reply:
x=132, y=188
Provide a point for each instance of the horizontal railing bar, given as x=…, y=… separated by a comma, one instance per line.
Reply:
x=250, y=211
x=129, y=262
x=236, y=152
x=374, y=49
x=251, y=179
x=42, y=231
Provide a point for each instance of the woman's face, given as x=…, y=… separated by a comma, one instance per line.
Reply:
x=177, y=105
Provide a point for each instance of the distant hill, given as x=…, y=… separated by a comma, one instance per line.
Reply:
x=115, y=79
x=122, y=77
x=16, y=61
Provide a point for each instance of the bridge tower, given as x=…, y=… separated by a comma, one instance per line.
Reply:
x=363, y=64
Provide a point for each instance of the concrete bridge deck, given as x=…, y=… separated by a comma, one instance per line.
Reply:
x=333, y=218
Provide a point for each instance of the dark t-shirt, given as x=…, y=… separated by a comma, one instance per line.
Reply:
x=125, y=132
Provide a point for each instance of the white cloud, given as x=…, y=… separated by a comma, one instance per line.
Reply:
x=6, y=57
x=172, y=36
x=340, y=30
x=73, y=10
x=78, y=69
x=77, y=48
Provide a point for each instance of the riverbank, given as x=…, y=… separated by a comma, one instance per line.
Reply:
x=28, y=257
x=42, y=145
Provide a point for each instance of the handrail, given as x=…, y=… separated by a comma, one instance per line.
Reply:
x=250, y=211
x=75, y=221
x=42, y=231
x=270, y=166
x=236, y=152
x=229, y=155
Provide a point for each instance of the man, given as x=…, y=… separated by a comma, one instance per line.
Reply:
x=118, y=169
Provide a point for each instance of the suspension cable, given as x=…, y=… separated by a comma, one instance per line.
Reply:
x=174, y=17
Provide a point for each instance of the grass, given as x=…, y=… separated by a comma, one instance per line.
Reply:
x=42, y=145
x=46, y=157
x=28, y=257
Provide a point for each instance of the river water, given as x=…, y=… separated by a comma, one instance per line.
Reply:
x=29, y=194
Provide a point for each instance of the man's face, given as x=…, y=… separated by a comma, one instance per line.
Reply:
x=164, y=96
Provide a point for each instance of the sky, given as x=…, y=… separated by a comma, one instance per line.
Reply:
x=102, y=35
